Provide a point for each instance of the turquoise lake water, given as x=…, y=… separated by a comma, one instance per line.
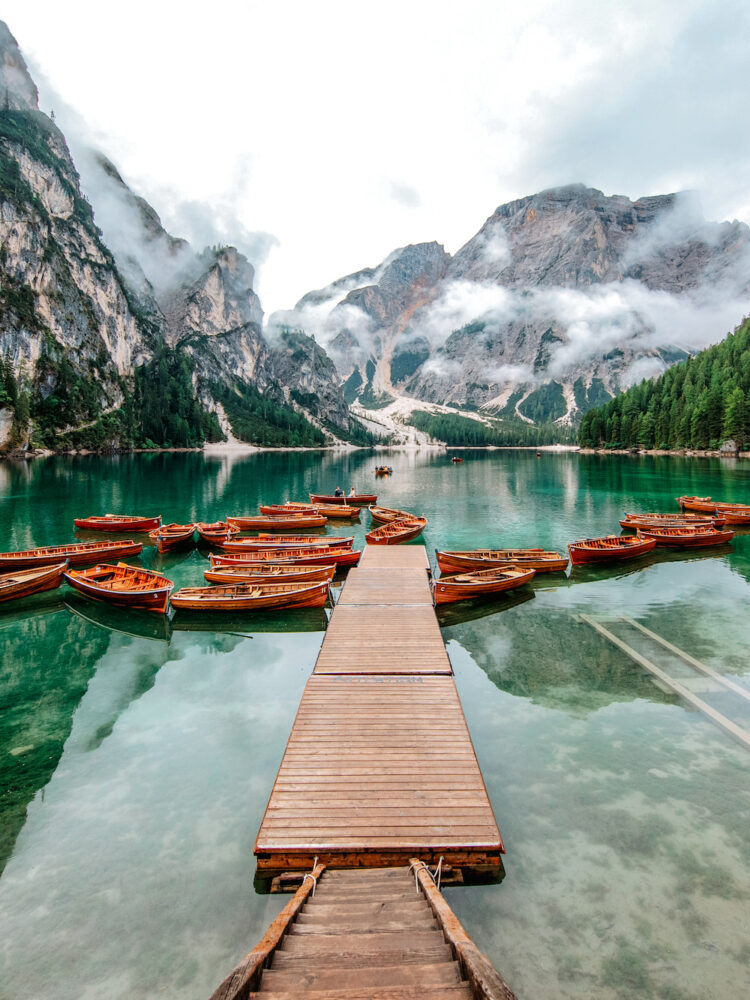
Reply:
x=137, y=756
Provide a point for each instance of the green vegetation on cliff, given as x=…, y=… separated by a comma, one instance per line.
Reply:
x=259, y=419
x=697, y=403
x=464, y=431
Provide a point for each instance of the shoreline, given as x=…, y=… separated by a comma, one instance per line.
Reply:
x=676, y=452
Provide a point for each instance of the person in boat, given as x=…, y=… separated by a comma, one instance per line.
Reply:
x=338, y=492
x=352, y=492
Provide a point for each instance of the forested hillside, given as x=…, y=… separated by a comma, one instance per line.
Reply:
x=696, y=404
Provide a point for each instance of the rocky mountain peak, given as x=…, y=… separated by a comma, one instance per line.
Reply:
x=17, y=90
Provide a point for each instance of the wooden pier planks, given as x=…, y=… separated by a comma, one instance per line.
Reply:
x=380, y=764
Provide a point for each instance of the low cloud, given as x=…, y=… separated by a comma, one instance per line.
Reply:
x=405, y=195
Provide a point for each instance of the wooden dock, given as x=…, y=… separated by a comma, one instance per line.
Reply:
x=380, y=767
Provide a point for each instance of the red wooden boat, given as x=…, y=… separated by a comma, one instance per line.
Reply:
x=609, y=548
x=479, y=583
x=76, y=554
x=307, y=557
x=694, y=537
x=270, y=573
x=216, y=532
x=396, y=532
x=24, y=582
x=456, y=459
x=289, y=522
x=261, y=544
x=172, y=536
x=251, y=597
x=707, y=505
x=536, y=559
x=384, y=515
x=117, y=522
x=737, y=518
x=359, y=498
x=633, y=521
x=331, y=541
x=123, y=585
x=330, y=510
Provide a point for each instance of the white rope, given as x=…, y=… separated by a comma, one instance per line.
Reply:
x=310, y=875
x=417, y=866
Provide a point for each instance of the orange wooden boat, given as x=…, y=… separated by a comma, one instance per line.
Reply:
x=215, y=532
x=329, y=541
x=536, y=559
x=24, y=582
x=251, y=597
x=456, y=459
x=480, y=583
x=286, y=557
x=330, y=510
x=695, y=537
x=609, y=548
x=76, y=554
x=384, y=515
x=288, y=522
x=633, y=521
x=707, y=505
x=360, y=498
x=261, y=544
x=269, y=573
x=117, y=522
x=737, y=518
x=396, y=532
x=172, y=536
x=123, y=585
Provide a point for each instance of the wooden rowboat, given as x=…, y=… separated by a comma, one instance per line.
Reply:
x=695, y=537
x=252, y=597
x=290, y=522
x=76, y=554
x=396, y=532
x=269, y=573
x=216, y=532
x=261, y=544
x=326, y=541
x=172, y=536
x=24, y=582
x=359, y=498
x=340, y=511
x=609, y=548
x=737, y=517
x=384, y=515
x=633, y=521
x=707, y=505
x=117, y=522
x=289, y=557
x=123, y=585
x=536, y=559
x=480, y=583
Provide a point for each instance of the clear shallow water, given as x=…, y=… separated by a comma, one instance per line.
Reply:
x=135, y=763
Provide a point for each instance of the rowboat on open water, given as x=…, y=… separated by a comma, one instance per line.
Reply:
x=123, y=585
x=117, y=522
x=609, y=548
x=694, y=537
x=269, y=573
x=633, y=521
x=286, y=557
x=396, y=532
x=252, y=597
x=24, y=582
x=76, y=554
x=536, y=559
x=290, y=522
x=359, y=498
x=386, y=514
x=216, y=532
x=172, y=536
x=478, y=583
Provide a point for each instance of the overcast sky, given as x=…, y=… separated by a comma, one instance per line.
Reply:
x=342, y=130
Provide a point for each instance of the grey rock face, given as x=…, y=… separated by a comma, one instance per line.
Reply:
x=17, y=90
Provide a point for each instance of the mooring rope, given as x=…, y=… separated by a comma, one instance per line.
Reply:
x=310, y=875
x=417, y=866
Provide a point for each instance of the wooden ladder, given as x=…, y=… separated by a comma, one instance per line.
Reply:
x=366, y=934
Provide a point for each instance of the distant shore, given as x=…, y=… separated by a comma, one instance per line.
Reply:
x=676, y=452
